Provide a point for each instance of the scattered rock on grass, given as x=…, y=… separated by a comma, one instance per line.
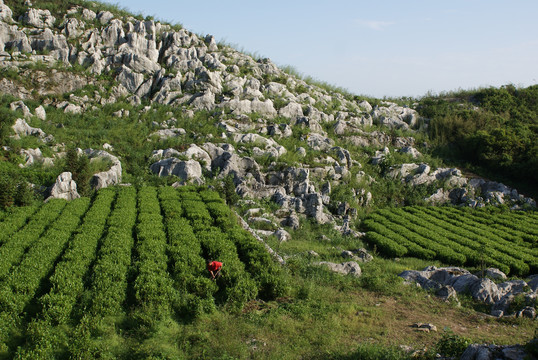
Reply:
x=450, y=280
x=345, y=268
x=425, y=327
x=282, y=235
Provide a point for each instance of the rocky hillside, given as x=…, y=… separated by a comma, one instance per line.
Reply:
x=92, y=96
x=202, y=111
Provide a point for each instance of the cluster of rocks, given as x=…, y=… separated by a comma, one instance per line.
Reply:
x=473, y=351
x=66, y=188
x=448, y=282
x=456, y=188
x=350, y=267
x=110, y=177
x=395, y=116
x=21, y=129
x=293, y=188
x=264, y=223
x=275, y=255
x=154, y=61
x=497, y=352
x=257, y=218
x=359, y=255
x=254, y=102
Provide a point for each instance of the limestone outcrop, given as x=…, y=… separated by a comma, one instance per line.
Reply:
x=64, y=188
x=446, y=282
x=109, y=177
x=186, y=171
x=257, y=108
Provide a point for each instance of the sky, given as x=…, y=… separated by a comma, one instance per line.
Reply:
x=378, y=48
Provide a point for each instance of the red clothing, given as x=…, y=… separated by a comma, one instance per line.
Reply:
x=214, y=266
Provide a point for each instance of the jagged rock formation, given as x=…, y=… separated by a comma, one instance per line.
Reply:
x=477, y=351
x=447, y=282
x=35, y=156
x=277, y=136
x=256, y=106
x=187, y=171
x=151, y=60
x=457, y=188
x=21, y=128
x=64, y=188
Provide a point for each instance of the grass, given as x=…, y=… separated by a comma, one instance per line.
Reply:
x=377, y=308
x=324, y=320
x=327, y=324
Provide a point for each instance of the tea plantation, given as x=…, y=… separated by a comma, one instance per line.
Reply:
x=507, y=240
x=134, y=255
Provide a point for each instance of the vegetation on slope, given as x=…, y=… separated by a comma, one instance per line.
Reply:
x=130, y=283
x=492, y=129
x=502, y=239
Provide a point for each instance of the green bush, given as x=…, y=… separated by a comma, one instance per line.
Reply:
x=227, y=190
x=7, y=191
x=377, y=352
x=492, y=128
x=79, y=166
x=452, y=345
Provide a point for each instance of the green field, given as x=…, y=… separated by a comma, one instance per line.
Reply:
x=507, y=240
x=122, y=276
x=125, y=260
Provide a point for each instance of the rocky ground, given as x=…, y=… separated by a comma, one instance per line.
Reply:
x=258, y=107
x=490, y=287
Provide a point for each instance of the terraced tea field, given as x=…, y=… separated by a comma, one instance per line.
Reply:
x=124, y=260
x=507, y=240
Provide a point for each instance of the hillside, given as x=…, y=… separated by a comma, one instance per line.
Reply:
x=96, y=101
x=492, y=130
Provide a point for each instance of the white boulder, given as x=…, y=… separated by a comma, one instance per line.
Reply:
x=189, y=170
x=64, y=188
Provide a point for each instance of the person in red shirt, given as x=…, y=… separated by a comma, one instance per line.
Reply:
x=214, y=268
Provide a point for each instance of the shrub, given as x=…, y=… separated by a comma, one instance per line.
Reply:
x=377, y=352
x=7, y=191
x=79, y=166
x=452, y=345
x=227, y=190
x=532, y=346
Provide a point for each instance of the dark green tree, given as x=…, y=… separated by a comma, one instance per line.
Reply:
x=82, y=176
x=24, y=194
x=7, y=191
x=227, y=190
x=79, y=166
x=71, y=160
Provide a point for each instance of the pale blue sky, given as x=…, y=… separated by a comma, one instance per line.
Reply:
x=378, y=47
